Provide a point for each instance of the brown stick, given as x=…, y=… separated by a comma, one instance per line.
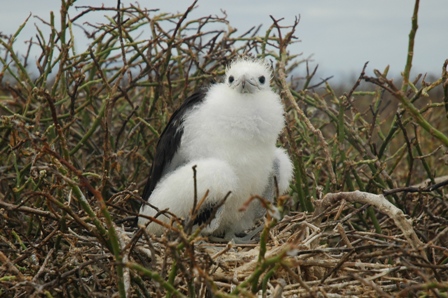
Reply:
x=383, y=205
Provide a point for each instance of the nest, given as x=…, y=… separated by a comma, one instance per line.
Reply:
x=330, y=253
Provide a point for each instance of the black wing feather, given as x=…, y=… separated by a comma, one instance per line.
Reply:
x=169, y=142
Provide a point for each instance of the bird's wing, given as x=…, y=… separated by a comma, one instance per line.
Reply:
x=169, y=142
x=282, y=170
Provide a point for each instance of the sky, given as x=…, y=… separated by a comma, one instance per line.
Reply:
x=339, y=35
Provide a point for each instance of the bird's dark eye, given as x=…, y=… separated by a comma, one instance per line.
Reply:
x=262, y=79
x=231, y=79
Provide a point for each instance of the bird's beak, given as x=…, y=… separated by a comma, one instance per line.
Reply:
x=243, y=85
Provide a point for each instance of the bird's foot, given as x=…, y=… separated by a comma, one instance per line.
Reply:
x=241, y=238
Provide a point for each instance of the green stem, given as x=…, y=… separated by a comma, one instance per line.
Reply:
x=155, y=276
x=415, y=113
x=407, y=68
x=92, y=129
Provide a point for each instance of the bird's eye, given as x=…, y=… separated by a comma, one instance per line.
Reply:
x=262, y=79
x=231, y=79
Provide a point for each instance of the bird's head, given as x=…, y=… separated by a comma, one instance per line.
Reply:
x=247, y=75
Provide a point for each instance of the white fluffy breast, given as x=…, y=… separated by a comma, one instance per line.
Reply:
x=229, y=118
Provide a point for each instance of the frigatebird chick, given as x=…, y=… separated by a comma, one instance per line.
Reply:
x=229, y=132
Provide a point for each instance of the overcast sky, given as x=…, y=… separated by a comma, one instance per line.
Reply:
x=340, y=34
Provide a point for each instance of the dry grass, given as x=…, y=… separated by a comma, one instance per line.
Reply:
x=78, y=137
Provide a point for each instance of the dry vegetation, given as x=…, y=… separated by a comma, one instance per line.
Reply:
x=78, y=137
